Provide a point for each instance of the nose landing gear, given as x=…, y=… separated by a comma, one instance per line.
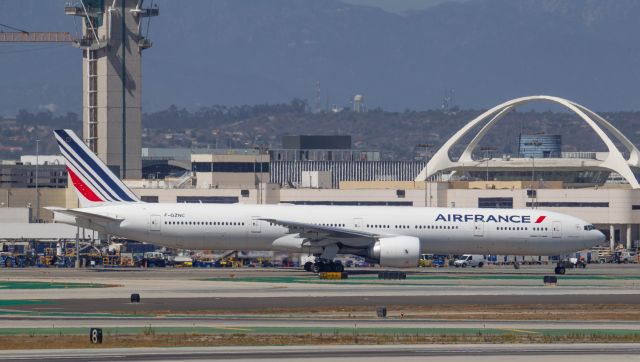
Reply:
x=571, y=263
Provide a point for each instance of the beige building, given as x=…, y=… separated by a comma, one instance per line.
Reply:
x=213, y=171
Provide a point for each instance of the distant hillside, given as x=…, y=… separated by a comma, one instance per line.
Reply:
x=254, y=51
x=396, y=134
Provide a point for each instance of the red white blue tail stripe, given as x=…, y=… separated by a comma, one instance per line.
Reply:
x=90, y=176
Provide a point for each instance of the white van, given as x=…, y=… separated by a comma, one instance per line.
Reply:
x=470, y=260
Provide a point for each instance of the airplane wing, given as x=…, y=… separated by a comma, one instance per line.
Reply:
x=326, y=235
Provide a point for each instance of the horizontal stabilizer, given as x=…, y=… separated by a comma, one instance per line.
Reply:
x=89, y=216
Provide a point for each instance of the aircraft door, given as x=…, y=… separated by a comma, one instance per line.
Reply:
x=357, y=223
x=478, y=229
x=154, y=223
x=556, y=229
x=255, y=224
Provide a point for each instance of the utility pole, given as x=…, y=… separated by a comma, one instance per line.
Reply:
x=37, y=189
x=77, y=263
x=317, y=108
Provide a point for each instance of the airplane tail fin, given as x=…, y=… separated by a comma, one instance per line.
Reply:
x=95, y=184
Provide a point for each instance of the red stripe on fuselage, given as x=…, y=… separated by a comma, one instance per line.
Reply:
x=540, y=219
x=82, y=187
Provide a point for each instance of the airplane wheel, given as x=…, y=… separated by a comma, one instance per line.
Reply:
x=339, y=268
x=317, y=268
x=308, y=265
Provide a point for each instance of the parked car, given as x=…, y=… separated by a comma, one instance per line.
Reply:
x=624, y=257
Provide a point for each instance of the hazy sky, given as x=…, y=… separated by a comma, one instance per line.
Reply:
x=399, y=6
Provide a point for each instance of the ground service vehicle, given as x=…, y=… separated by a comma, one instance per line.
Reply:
x=470, y=260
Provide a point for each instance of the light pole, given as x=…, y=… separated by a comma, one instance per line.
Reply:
x=37, y=189
x=486, y=156
x=534, y=193
x=262, y=150
x=427, y=147
x=533, y=171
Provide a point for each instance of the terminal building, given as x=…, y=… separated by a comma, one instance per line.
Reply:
x=599, y=187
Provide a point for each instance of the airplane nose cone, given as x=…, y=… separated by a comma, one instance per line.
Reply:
x=599, y=237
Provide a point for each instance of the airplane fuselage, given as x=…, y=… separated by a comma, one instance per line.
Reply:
x=440, y=230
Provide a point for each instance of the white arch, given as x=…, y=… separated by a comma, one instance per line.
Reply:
x=615, y=161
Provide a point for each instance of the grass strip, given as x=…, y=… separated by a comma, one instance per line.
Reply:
x=47, y=285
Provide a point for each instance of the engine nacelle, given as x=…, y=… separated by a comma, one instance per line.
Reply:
x=397, y=251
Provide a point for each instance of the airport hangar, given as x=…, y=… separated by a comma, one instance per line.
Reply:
x=600, y=187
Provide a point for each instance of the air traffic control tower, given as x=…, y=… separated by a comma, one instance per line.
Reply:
x=112, y=42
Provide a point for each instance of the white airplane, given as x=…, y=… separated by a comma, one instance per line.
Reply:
x=391, y=236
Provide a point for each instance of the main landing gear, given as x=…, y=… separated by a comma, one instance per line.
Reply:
x=323, y=265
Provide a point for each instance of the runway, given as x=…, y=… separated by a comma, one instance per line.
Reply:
x=188, y=284
x=249, y=306
x=554, y=352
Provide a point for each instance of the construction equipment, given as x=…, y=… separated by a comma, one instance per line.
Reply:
x=22, y=36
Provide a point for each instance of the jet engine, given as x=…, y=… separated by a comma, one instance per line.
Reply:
x=396, y=251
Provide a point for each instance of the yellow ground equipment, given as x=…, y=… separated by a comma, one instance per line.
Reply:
x=333, y=275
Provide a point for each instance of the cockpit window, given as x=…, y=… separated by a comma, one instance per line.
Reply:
x=589, y=227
